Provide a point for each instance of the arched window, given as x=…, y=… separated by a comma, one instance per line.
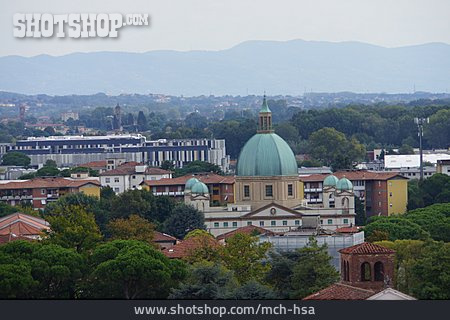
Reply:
x=379, y=271
x=365, y=272
x=347, y=275
x=343, y=269
x=331, y=201
x=345, y=203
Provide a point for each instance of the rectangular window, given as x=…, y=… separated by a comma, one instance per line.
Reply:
x=330, y=221
x=290, y=190
x=273, y=223
x=297, y=222
x=390, y=194
x=269, y=190
x=43, y=191
x=225, y=224
x=321, y=221
x=246, y=191
x=216, y=224
x=345, y=221
x=234, y=224
x=249, y=223
x=116, y=189
x=284, y=222
x=261, y=223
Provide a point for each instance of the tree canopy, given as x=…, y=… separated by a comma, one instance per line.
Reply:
x=16, y=159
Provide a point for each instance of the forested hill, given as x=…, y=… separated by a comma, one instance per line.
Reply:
x=290, y=67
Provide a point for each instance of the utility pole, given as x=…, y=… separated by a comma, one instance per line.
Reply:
x=420, y=122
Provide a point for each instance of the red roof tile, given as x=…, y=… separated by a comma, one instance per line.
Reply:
x=366, y=248
x=10, y=237
x=48, y=182
x=353, y=229
x=246, y=230
x=159, y=236
x=210, y=178
x=129, y=168
x=354, y=175
x=186, y=247
x=94, y=164
x=21, y=224
x=340, y=291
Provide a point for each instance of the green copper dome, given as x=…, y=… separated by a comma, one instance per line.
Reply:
x=266, y=154
x=330, y=181
x=190, y=183
x=200, y=188
x=344, y=184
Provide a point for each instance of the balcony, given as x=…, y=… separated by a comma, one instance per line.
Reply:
x=313, y=189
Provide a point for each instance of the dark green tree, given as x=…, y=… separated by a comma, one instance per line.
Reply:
x=206, y=281
x=183, y=219
x=313, y=271
x=73, y=227
x=130, y=269
x=16, y=159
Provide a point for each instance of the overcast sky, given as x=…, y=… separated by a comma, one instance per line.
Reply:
x=215, y=25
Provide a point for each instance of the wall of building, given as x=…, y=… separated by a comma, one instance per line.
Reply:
x=398, y=195
x=91, y=190
x=258, y=196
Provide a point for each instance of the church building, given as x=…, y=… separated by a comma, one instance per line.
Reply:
x=268, y=192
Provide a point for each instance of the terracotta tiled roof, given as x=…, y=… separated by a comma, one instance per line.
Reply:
x=48, y=182
x=186, y=247
x=210, y=178
x=340, y=291
x=354, y=175
x=353, y=229
x=21, y=224
x=366, y=248
x=246, y=230
x=94, y=164
x=159, y=236
x=11, y=237
x=129, y=168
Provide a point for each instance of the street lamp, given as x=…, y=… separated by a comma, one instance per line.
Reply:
x=420, y=122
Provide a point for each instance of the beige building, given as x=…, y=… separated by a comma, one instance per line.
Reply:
x=268, y=192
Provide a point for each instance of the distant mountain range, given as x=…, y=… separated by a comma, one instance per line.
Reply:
x=287, y=68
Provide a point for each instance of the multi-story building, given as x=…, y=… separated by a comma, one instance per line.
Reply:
x=69, y=115
x=220, y=188
x=443, y=166
x=129, y=175
x=76, y=150
x=383, y=193
x=268, y=192
x=40, y=191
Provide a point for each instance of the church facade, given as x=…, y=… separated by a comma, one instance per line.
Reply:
x=268, y=192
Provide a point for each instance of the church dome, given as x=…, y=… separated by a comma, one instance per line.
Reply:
x=266, y=154
x=330, y=181
x=344, y=184
x=200, y=188
x=190, y=183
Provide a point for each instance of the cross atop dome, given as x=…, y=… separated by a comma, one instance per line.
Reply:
x=265, y=118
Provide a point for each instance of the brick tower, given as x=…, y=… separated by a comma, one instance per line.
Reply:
x=367, y=266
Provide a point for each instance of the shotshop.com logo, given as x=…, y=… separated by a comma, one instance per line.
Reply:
x=74, y=25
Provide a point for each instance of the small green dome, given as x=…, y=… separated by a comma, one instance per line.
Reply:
x=330, y=181
x=190, y=183
x=344, y=184
x=266, y=154
x=200, y=188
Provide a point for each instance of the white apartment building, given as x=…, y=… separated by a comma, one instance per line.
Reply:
x=129, y=175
